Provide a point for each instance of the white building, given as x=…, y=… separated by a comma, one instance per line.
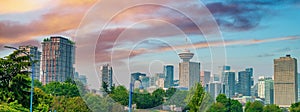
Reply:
x=261, y=87
x=214, y=89
x=189, y=72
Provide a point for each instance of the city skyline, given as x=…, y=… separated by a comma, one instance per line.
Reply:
x=254, y=33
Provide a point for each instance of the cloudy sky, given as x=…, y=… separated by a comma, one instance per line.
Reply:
x=142, y=36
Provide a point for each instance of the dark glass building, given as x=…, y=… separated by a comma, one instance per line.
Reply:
x=169, y=73
x=244, y=82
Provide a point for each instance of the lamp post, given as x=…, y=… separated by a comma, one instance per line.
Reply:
x=32, y=73
x=132, y=80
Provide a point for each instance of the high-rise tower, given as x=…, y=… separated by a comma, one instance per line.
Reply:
x=244, y=83
x=169, y=73
x=189, y=72
x=229, y=83
x=285, y=81
x=36, y=56
x=106, y=72
x=57, y=59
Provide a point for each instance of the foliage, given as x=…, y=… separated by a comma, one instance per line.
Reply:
x=97, y=103
x=144, y=101
x=73, y=104
x=272, y=108
x=37, y=84
x=295, y=107
x=196, y=98
x=105, y=87
x=170, y=92
x=178, y=99
x=234, y=106
x=12, y=107
x=158, y=97
x=229, y=104
x=66, y=89
x=41, y=100
x=255, y=106
x=14, y=79
x=217, y=107
x=120, y=94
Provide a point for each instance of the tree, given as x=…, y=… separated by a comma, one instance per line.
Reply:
x=196, y=98
x=295, y=107
x=71, y=104
x=158, y=97
x=61, y=89
x=256, y=106
x=178, y=99
x=14, y=79
x=144, y=100
x=272, y=108
x=217, y=107
x=105, y=87
x=229, y=104
x=170, y=92
x=120, y=94
x=37, y=84
x=41, y=101
x=12, y=107
x=222, y=98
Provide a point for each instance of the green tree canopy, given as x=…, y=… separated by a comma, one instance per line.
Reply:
x=61, y=89
x=217, y=107
x=272, y=108
x=196, y=98
x=295, y=107
x=14, y=79
x=229, y=104
x=12, y=107
x=120, y=94
x=255, y=106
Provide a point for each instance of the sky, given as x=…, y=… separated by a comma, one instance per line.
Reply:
x=142, y=36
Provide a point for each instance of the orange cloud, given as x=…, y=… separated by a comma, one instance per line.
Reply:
x=20, y=6
x=65, y=16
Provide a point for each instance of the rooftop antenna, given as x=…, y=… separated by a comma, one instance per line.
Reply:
x=186, y=42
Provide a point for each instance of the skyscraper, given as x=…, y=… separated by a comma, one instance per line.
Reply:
x=205, y=77
x=244, y=80
x=169, y=73
x=250, y=71
x=188, y=71
x=57, y=59
x=221, y=71
x=261, y=87
x=214, y=89
x=106, y=74
x=285, y=81
x=229, y=83
x=269, y=91
x=36, y=56
x=265, y=89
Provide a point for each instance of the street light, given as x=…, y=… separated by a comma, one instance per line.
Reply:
x=32, y=73
x=132, y=80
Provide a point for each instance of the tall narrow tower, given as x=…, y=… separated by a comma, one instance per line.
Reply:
x=285, y=81
x=106, y=75
x=188, y=71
